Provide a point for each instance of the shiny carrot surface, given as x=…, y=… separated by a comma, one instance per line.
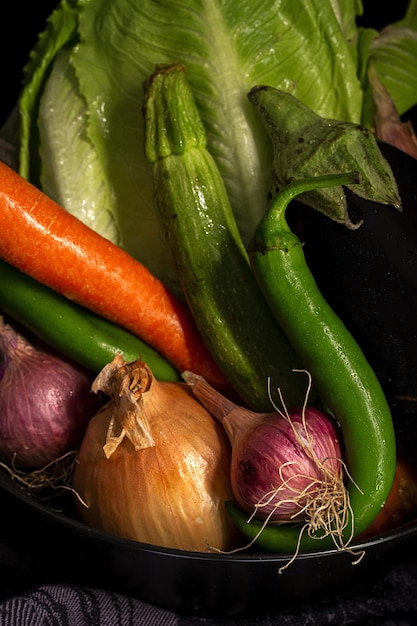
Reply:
x=42, y=239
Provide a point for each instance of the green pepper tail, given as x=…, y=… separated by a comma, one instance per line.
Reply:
x=76, y=332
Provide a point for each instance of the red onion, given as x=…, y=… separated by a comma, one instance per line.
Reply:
x=285, y=466
x=45, y=401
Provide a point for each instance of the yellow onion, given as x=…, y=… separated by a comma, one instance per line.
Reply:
x=154, y=466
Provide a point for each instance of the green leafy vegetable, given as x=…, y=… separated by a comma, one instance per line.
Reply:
x=392, y=55
x=314, y=51
x=65, y=149
x=61, y=31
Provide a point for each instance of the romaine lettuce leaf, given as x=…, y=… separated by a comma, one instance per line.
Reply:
x=394, y=56
x=227, y=47
x=61, y=30
x=309, y=49
x=391, y=56
x=65, y=149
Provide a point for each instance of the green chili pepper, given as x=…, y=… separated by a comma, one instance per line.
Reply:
x=75, y=332
x=346, y=383
x=212, y=263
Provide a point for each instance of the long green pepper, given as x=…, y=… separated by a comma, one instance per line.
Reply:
x=212, y=263
x=346, y=383
x=75, y=332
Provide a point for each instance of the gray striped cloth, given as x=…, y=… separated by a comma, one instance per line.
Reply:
x=391, y=602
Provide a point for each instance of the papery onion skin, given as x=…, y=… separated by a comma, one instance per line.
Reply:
x=272, y=446
x=170, y=494
x=45, y=401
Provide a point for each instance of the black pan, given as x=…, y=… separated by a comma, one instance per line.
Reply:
x=204, y=585
x=375, y=265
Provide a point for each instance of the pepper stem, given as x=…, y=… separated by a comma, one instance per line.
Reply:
x=282, y=199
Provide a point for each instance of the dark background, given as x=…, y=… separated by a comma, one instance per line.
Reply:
x=22, y=22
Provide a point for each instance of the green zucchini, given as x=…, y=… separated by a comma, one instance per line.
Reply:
x=211, y=261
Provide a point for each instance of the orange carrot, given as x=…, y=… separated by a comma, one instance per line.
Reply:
x=401, y=505
x=43, y=240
